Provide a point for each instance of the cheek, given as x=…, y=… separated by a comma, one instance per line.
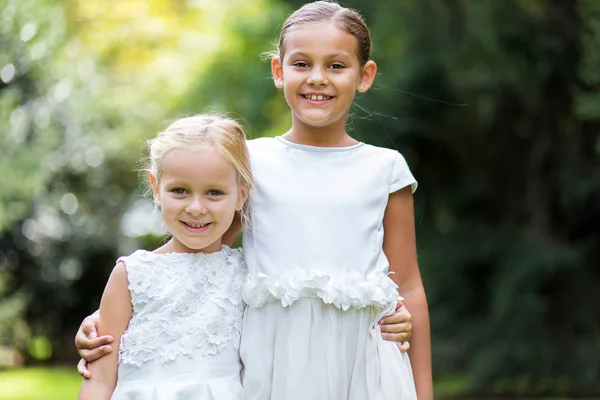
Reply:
x=170, y=206
x=292, y=79
x=167, y=202
x=349, y=82
x=289, y=87
x=226, y=207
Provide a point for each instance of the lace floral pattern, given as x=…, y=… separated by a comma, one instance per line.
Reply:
x=182, y=303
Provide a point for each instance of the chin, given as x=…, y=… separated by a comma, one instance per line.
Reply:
x=317, y=122
x=195, y=246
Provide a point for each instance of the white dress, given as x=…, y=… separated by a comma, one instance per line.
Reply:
x=318, y=278
x=182, y=342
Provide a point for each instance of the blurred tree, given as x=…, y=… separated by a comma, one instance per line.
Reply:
x=33, y=111
x=83, y=86
x=495, y=104
x=510, y=184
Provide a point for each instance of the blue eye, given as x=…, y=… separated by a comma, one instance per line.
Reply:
x=178, y=191
x=214, y=193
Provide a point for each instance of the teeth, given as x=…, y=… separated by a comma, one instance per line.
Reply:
x=197, y=225
x=317, y=97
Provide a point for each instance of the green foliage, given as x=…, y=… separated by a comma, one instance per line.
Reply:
x=510, y=181
x=39, y=383
x=71, y=200
x=493, y=103
x=40, y=348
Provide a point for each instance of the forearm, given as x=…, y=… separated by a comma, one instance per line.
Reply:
x=400, y=249
x=113, y=318
x=420, y=343
x=95, y=390
x=103, y=381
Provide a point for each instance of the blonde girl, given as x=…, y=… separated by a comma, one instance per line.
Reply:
x=176, y=312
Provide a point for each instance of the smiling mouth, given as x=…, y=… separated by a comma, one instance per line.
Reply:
x=196, y=226
x=316, y=97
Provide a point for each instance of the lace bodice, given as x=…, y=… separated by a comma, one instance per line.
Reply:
x=184, y=304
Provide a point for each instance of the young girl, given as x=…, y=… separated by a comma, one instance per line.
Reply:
x=331, y=217
x=177, y=311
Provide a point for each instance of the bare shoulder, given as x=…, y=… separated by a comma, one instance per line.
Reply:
x=118, y=284
x=115, y=305
x=119, y=272
x=120, y=268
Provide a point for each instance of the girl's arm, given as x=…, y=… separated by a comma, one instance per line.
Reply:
x=89, y=346
x=115, y=313
x=400, y=249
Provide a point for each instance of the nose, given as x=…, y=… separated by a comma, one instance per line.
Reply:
x=317, y=77
x=196, y=206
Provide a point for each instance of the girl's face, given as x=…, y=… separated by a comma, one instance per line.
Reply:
x=320, y=73
x=198, y=195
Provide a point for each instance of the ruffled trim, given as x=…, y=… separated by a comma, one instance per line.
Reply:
x=344, y=290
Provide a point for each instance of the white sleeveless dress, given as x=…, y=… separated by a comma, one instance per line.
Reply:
x=318, y=278
x=182, y=342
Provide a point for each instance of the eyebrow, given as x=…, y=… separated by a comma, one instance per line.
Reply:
x=217, y=184
x=341, y=55
x=335, y=55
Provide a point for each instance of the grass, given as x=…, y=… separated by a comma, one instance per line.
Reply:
x=56, y=383
x=62, y=383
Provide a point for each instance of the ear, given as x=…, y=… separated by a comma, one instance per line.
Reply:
x=367, y=76
x=277, y=71
x=242, y=198
x=155, y=189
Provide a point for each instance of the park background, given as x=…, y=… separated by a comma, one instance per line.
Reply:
x=494, y=103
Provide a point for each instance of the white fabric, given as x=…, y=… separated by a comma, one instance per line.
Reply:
x=318, y=280
x=183, y=338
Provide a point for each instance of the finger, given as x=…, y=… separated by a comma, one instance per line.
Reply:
x=404, y=327
x=399, y=305
x=392, y=319
x=82, y=369
x=395, y=337
x=404, y=347
x=93, y=355
x=82, y=342
x=89, y=330
x=401, y=315
x=397, y=318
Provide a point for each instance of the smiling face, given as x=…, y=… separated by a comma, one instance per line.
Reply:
x=198, y=194
x=320, y=73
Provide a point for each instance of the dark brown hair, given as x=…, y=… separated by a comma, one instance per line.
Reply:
x=321, y=11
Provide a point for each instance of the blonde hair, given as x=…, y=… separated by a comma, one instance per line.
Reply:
x=221, y=133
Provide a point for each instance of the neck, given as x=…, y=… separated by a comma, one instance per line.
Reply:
x=333, y=135
x=175, y=246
